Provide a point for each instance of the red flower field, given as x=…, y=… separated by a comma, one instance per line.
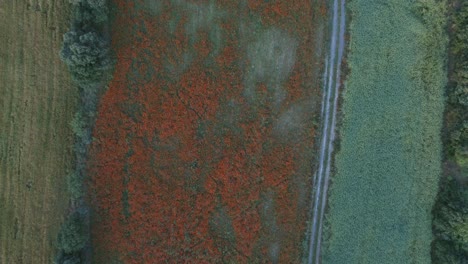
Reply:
x=204, y=141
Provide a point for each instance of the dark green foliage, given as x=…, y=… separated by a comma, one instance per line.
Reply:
x=460, y=28
x=458, y=46
x=461, y=90
x=74, y=258
x=85, y=48
x=75, y=185
x=79, y=126
x=459, y=139
x=92, y=3
x=443, y=252
x=451, y=224
x=457, y=107
x=87, y=56
x=89, y=13
x=450, y=213
x=72, y=236
x=86, y=52
x=89, y=99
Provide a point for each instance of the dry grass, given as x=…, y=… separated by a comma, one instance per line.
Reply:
x=36, y=104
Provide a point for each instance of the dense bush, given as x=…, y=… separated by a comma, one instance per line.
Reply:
x=72, y=239
x=86, y=52
x=85, y=47
x=458, y=92
x=73, y=234
x=63, y=258
x=450, y=213
x=451, y=224
x=75, y=185
x=80, y=126
x=87, y=56
x=95, y=4
x=89, y=13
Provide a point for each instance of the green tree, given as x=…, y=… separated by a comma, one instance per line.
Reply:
x=451, y=223
x=72, y=236
x=461, y=90
x=68, y=258
x=89, y=13
x=87, y=56
x=72, y=260
x=75, y=185
x=79, y=125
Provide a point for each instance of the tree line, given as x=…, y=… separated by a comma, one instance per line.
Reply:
x=450, y=213
x=86, y=52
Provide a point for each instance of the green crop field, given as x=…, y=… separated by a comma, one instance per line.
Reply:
x=388, y=166
x=36, y=104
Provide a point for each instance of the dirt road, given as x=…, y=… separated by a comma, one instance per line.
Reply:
x=329, y=106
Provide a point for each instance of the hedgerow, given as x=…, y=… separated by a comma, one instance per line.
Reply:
x=75, y=186
x=72, y=239
x=72, y=236
x=86, y=52
x=450, y=213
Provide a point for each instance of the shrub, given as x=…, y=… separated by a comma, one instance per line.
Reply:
x=461, y=90
x=89, y=99
x=73, y=259
x=63, y=258
x=86, y=55
x=79, y=126
x=89, y=13
x=461, y=158
x=92, y=3
x=75, y=185
x=450, y=213
x=451, y=223
x=72, y=236
x=86, y=52
x=444, y=252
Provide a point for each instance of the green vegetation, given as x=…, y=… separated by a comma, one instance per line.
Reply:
x=72, y=236
x=75, y=186
x=86, y=52
x=388, y=165
x=450, y=223
x=85, y=48
x=457, y=104
x=72, y=239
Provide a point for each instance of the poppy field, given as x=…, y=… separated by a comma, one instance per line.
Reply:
x=204, y=142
